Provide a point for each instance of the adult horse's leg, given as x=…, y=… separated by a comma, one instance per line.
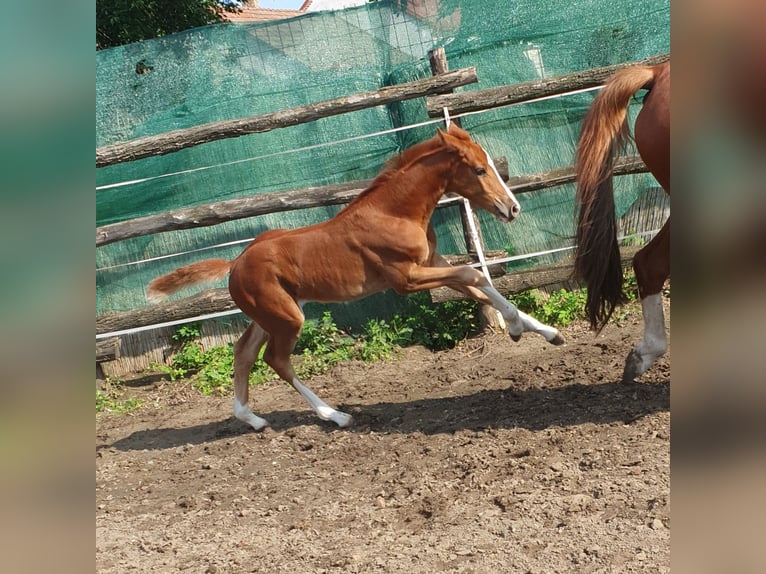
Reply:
x=652, y=267
x=285, y=328
x=245, y=354
x=474, y=284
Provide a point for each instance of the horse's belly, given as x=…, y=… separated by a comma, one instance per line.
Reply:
x=340, y=289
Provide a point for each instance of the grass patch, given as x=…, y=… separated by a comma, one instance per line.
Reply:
x=111, y=399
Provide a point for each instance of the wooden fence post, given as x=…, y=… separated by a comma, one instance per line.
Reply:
x=489, y=319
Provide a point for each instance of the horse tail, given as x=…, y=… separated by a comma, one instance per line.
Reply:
x=205, y=271
x=604, y=130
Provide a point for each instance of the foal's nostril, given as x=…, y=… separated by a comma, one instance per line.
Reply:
x=515, y=209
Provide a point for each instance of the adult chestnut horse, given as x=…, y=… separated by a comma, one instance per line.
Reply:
x=383, y=239
x=597, y=258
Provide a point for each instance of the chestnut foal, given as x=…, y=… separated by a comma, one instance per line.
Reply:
x=383, y=239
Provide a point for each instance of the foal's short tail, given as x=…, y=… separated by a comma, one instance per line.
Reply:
x=604, y=130
x=205, y=271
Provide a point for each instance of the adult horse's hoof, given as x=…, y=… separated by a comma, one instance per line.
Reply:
x=633, y=367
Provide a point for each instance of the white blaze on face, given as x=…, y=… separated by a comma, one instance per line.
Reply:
x=500, y=179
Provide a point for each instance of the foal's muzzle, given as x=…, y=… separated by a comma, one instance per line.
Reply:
x=507, y=212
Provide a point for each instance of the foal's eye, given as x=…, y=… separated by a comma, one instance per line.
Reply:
x=479, y=171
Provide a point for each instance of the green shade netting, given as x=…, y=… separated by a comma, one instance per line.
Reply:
x=230, y=71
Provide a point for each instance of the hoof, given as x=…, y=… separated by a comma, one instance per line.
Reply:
x=254, y=421
x=515, y=338
x=557, y=340
x=259, y=425
x=339, y=418
x=343, y=420
x=633, y=368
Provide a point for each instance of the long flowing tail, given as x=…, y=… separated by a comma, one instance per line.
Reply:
x=205, y=271
x=604, y=131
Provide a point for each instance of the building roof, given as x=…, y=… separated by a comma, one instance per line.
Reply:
x=319, y=5
x=254, y=13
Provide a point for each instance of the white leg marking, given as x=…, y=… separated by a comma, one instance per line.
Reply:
x=322, y=409
x=243, y=413
x=519, y=322
x=531, y=324
x=654, y=344
x=507, y=310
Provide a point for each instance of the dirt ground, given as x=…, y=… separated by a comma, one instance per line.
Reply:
x=493, y=457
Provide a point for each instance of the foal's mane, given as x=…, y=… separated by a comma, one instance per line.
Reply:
x=393, y=165
x=410, y=154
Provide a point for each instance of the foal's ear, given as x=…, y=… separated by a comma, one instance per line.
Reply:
x=449, y=140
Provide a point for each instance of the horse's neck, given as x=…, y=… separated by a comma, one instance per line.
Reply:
x=414, y=190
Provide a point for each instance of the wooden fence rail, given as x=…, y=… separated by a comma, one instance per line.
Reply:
x=475, y=100
x=203, y=303
x=240, y=208
x=218, y=300
x=179, y=139
x=540, y=276
x=231, y=209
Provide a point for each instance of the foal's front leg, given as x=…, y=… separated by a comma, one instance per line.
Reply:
x=528, y=323
x=474, y=284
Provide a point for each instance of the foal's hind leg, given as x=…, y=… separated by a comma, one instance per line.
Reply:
x=652, y=267
x=284, y=335
x=245, y=354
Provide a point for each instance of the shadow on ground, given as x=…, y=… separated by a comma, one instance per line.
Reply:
x=532, y=409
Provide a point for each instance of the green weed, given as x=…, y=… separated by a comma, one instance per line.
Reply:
x=563, y=307
x=215, y=373
x=439, y=326
x=112, y=399
x=558, y=309
x=211, y=371
x=322, y=345
x=630, y=285
x=186, y=333
x=322, y=337
x=381, y=339
x=633, y=239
